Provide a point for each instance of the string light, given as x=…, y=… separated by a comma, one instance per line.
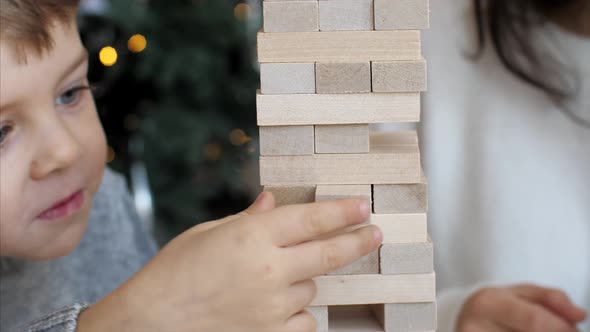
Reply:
x=212, y=151
x=238, y=137
x=110, y=154
x=108, y=56
x=242, y=11
x=137, y=43
x=131, y=122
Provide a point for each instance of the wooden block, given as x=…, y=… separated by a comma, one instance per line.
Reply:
x=292, y=195
x=338, y=46
x=287, y=141
x=374, y=289
x=318, y=109
x=321, y=316
x=368, y=264
x=346, y=15
x=396, y=228
x=407, y=198
x=287, y=78
x=407, y=317
x=343, y=77
x=342, y=138
x=326, y=193
x=399, y=76
x=407, y=258
x=290, y=16
x=354, y=318
x=382, y=165
x=402, y=228
x=401, y=14
x=384, y=138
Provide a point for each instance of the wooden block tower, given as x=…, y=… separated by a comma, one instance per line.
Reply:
x=329, y=68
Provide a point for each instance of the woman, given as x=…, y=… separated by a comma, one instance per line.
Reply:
x=505, y=142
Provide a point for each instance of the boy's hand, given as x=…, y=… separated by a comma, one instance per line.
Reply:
x=249, y=272
x=525, y=308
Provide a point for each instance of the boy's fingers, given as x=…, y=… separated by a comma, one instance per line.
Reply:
x=290, y=225
x=265, y=202
x=319, y=257
x=300, y=295
x=301, y=322
x=554, y=300
x=518, y=314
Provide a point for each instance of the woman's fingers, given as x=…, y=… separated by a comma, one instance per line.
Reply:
x=291, y=225
x=516, y=313
x=554, y=300
x=319, y=257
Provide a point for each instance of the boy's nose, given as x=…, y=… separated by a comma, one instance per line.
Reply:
x=58, y=150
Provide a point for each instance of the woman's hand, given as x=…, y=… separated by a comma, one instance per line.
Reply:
x=248, y=272
x=523, y=308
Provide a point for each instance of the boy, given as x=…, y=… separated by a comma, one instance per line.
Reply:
x=67, y=245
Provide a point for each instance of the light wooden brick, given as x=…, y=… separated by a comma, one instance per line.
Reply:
x=338, y=46
x=368, y=264
x=287, y=141
x=396, y=228
x=374, y=289
x=343, y=77
x=401, y=14
x=332, y=109
x=287, y=78
x=292, y=195
x=290, y=16
x=399, y=76
x=346, y=15
x=407, y=198
x=383, y=164
x=342, y=138
x=407, y=258
x=321, y=316
x=407, y=317
x=402, y=228
x=326, y=193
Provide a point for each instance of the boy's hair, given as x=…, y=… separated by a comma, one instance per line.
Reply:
x=26, y=24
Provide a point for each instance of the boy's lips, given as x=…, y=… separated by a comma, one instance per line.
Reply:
x=65, y=207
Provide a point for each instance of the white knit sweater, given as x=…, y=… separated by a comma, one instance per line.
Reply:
x=509, y=175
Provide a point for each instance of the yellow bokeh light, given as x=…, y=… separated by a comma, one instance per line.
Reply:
x=110, y=154
x=242, y=11
x=137, y=43
x=108, y=56
x=238, y=137
x=212, y=151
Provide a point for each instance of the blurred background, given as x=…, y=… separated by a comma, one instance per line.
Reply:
x=175, y=89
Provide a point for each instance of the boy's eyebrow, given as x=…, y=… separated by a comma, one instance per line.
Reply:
x=83, y=57
x=80, y=59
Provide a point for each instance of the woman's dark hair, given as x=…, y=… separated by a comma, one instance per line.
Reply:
x=510, y=25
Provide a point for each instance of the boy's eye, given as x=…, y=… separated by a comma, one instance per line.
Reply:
x=4, y=131
x=71, y=96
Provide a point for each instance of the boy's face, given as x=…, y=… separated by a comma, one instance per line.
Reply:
x=52, y=148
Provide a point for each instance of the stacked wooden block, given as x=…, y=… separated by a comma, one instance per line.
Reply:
x=329, y=68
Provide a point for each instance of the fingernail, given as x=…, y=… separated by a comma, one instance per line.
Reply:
x=378, y=236
x=365, y=210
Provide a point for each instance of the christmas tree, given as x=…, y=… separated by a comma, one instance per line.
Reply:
x=176, y=85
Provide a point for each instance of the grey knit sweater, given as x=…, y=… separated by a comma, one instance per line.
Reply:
x=49, y=295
